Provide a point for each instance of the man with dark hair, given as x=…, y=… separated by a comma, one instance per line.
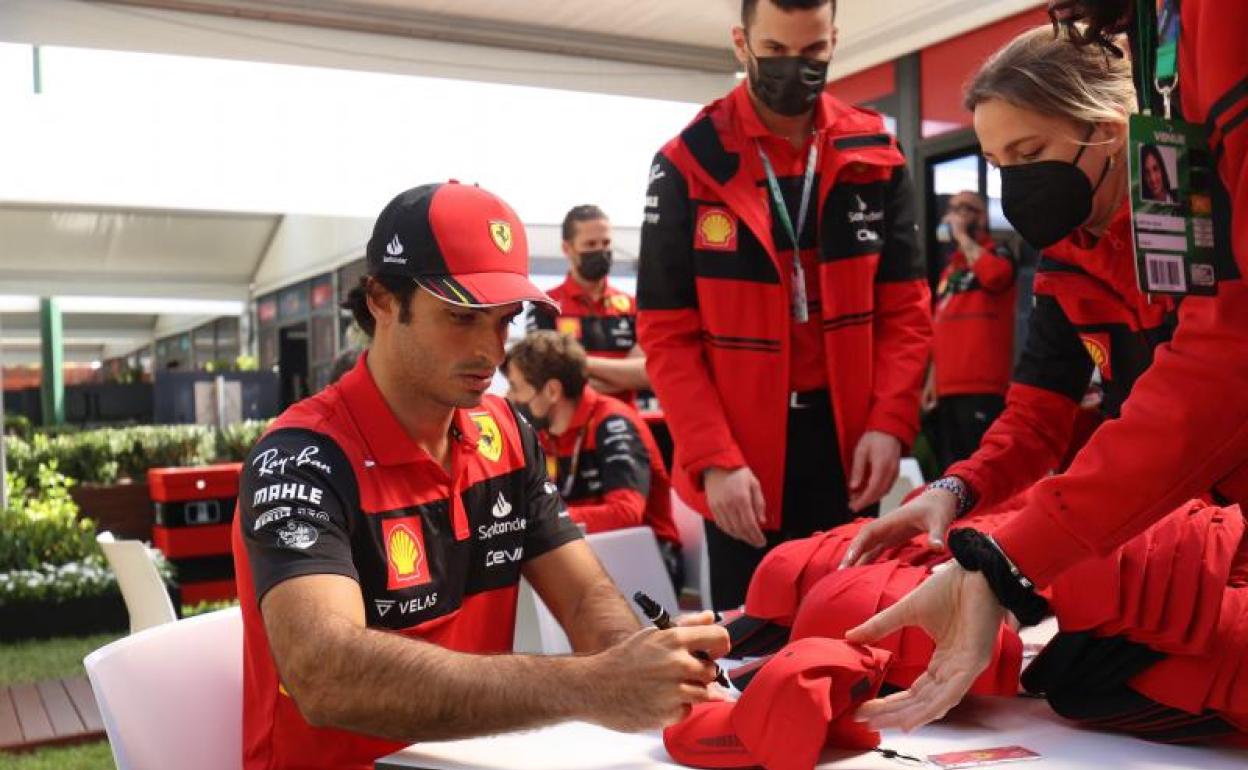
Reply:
x=384, y=525
x=784, y=309
x=600, y=452
x=599, y=316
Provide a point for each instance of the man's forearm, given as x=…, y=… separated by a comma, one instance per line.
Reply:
x=601, y=619
x=620, y=373
x=390, y=686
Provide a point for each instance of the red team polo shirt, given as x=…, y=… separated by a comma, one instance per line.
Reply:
x=338, y=487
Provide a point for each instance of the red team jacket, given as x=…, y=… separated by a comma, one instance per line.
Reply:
x=973, y=344
x=606, y=328
x=338, y=487
x=714, y=289
x=1186, y=424
x=1088, y=315
x=609, y=470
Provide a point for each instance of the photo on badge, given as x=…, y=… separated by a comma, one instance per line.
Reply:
x=1159, y=177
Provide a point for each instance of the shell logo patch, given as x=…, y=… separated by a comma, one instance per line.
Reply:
x=1098, y=350
x=500, y=233
x=716, y=229
x=621, y=303
x=490, y=444
x=405, y=553
x=569, y=326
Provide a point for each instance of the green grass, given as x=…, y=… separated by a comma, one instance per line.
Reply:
x=37, y=660
x=88, y=756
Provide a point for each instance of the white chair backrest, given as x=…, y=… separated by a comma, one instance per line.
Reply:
x=692, y=528
x=630, y=556
x=172, y=696
x=909, y=478
x=147, y=600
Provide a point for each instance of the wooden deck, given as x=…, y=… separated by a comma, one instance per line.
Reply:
x=55, y=712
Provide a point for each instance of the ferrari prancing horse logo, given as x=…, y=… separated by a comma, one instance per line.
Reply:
x=500, y=233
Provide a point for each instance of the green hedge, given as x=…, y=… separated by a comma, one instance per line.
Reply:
x=48, y=553
x=107, y=455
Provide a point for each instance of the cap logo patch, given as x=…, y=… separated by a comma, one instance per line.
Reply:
x=393, y=249
x=500, y=233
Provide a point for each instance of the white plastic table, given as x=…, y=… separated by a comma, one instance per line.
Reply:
x=977, y=724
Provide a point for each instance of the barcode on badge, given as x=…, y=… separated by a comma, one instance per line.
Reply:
x=1165, y=272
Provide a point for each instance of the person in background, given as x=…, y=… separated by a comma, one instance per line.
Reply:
x=600, y=452
x=599, y=316
x=973, y=323
x=784, y=306
x=384, y=524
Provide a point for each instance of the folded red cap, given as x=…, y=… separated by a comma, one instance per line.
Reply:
x=846, y=598
x=800, y=701
x=773, y=592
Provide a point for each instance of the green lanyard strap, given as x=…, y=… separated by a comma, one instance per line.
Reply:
x=799, y=309
x=1157, y=58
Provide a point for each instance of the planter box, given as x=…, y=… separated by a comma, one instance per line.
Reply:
x=126, y=510
x=74, y=617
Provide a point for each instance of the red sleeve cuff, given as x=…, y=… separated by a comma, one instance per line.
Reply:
x=1039, y=545
x=896, y=427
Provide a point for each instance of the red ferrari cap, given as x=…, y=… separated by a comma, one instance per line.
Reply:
x=459, y=242
x=801, y=701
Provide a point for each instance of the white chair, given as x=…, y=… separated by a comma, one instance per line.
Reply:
x=692, y=528
x=630, y=556
x=143, y=590
x=172, y=696
x=909, y=479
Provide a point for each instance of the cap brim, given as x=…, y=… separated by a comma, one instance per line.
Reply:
x=483, y=290
x=706, y=738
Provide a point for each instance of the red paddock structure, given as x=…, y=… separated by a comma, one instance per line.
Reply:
x=194, y=511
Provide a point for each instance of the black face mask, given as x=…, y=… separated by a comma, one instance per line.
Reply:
x=788, y=85
x=538, y=423
x=594, y=265
x=1048, y=200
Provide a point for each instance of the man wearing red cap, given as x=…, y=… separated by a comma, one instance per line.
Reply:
x=784, y=309
x=385, y=523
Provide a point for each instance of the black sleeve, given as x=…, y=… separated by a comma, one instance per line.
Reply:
x=901, y=259
x=623, y=459
x=665, y=274
x=549, y=525
x=539, y=317
x=1053, y=355
x=298, y=500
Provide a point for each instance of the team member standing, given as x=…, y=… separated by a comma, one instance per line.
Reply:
x=783, y=306
x=600, y=453
x=1185, y=426
x=384, y=525
x=599, y=316
x=974, y=331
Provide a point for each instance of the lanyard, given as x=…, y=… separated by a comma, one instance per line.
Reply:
x=801, y=313
x=1157, y=63
x=570, y=481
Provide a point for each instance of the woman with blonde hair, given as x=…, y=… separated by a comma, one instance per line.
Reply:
x=1053, y=116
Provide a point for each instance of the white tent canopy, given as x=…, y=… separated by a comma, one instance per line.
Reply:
x=221, y=177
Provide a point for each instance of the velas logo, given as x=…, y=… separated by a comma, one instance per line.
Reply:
x=716, y=229
x=490, y=443
x=500, y=233
x=406, y=562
